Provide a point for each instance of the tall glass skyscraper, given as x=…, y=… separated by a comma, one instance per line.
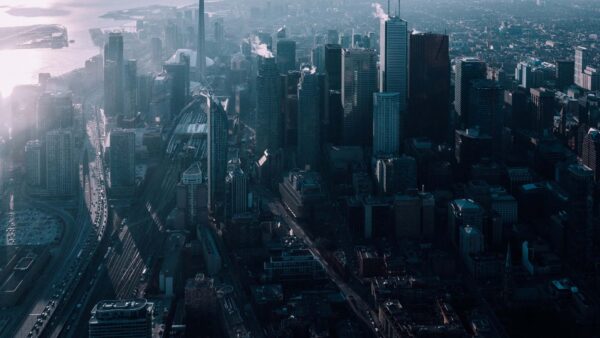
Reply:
x=217, y=154
x=268, y=107
x=394, y=58
x=386, y=124
x=308, y=145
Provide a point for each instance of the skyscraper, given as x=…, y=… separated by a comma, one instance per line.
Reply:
x=359, y=82
x=113, y=75
x=130, y=87
x=578, y=183
x=317, y=58
x=393, y=61
x=308, y=145
x=486, y=100
x=60, y=167
x=180, y=76
x=386, y=124
x=192, y=180
x=238, y=191
x=34, y=163
x=542, y=101
x=54, y=111
x=217, y=153
x=286, y=55
x=333, y=65
x=582, y=60
x=591, y=152
x=467, y=70
x=122, y=158
x=268, y=107
x=565, y=73
x=429, y=87
x=200, y=48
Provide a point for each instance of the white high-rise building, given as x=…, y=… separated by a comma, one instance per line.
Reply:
x=582, y=60
x=386, y=123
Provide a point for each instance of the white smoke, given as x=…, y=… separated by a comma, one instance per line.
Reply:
x=260, y=49
x=379, y=12
x=309, y=69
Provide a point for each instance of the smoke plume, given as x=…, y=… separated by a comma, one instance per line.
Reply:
x=379, y=12
x=260, y=49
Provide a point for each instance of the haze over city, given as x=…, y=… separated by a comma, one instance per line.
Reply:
x=299, y=168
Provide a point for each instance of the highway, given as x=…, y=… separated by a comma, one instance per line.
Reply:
x=59, y=289
x=95, y=217
x=48, y=316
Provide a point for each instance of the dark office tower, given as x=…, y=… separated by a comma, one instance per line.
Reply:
x=359, y=82
x=237, y=182
x=518, y=103
x=336, y=118
x=471, y=146
x=113, y=75
x=291, y=109
x=323, y=108
x=217, y=154
x=485, y=107
x=195, y=193
x=386, y=124
x=268, y=107
x=286, y=55
x=393, y=63
x=542, y=101
x=180, y=90
x=121, y=318
x=34, y=163
x=122, y=158
x=333, y=37
x=467, y=70
x=157, y=52
x=144, y=92
x=54, y=111
x=317, y=58
x=60, y=166
x=130, y=85
x=333, y=65
x=429, y=87
x=579, y=180
x=591, y=152
x=565, y=73
x=200, y=48
x=308, y=144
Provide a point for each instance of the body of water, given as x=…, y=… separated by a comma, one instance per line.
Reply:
x=22, y=66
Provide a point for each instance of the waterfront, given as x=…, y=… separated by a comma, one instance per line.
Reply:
x=22, y=66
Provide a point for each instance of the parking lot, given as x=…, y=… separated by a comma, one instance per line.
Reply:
x=29, y=227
